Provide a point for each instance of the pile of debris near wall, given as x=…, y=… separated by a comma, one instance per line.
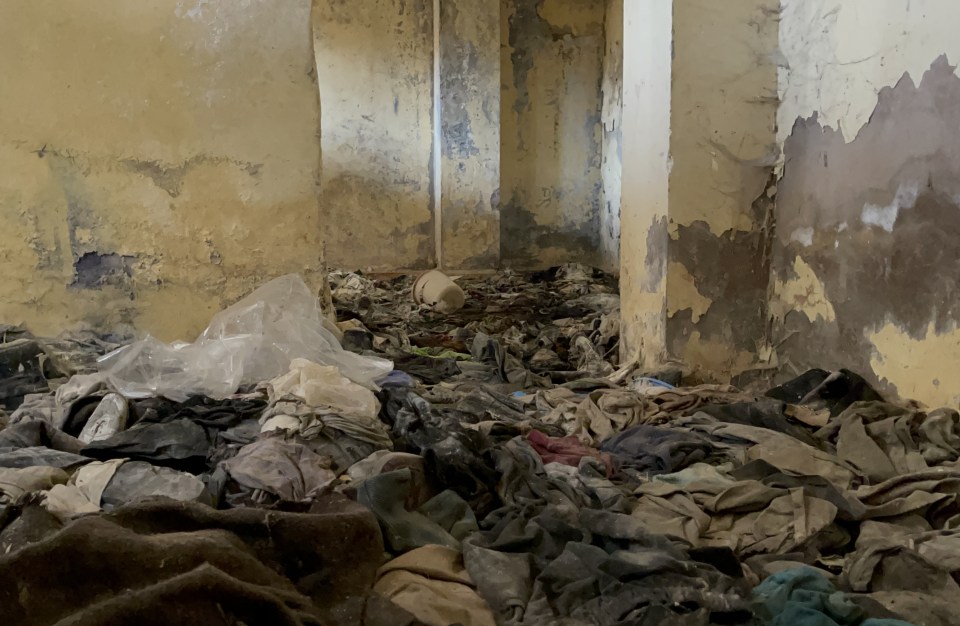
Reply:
x=456, y=453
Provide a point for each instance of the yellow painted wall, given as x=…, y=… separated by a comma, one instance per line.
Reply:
x=375, y=70
x=168, y=146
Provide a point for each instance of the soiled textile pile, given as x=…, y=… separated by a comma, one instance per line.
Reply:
x=509, y=470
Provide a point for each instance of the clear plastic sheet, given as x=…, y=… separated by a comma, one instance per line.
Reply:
x=252, y=341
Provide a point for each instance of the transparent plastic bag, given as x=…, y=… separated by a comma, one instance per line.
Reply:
x=252, y=341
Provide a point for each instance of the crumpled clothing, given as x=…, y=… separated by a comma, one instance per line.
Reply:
x=66, y=502
x=547, y=558
x=590, y=479
x=508, y=368
x=134, y=480
x=180, y=444
x=308, y=423
x=934, y=493
x=14, y=483
x=804, y=597
x=40, y=456
x=600, y=413
x=453, y=455
x=746, y=516
x=444, y=520
x=884, y=441
x=763, y=413
x=324, y=386
x=566, y=450
x=657, y=450
x=40, y=407
x=819, y=389
x=33, y=433
x=782, y=451
x=892, y=558
x=213, y=415
x=433, y=585
x=286, y=469
x=21, y=369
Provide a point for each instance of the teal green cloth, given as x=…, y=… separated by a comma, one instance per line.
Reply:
x=804, y=597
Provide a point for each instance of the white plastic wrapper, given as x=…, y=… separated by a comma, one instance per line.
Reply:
x=252, y=341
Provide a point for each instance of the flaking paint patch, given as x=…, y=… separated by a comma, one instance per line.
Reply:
x=838, y=54
x=923, y=368
x=802, y=292
x=890, y=278
x=682, y=293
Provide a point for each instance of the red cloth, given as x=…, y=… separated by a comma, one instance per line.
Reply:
x=566, y=450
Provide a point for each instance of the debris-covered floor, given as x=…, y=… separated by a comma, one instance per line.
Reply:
x=506, y=469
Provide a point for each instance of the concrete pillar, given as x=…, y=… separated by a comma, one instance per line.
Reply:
x=647, y=68
x=469, y=50
x=699, y=149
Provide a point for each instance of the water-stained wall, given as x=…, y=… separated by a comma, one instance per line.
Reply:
x=867, y=252
x=470, y=134
x=159, y=158
x=723, y=149
x=375, y=68
x=551, y=183
x=611, y=149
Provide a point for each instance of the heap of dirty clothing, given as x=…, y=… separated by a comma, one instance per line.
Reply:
x=391, y=457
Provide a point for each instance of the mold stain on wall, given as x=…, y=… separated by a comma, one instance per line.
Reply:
x=879, y=217
x=154, y=177
x=551, y=186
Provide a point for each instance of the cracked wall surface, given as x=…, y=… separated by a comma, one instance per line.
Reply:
x=867, y=251
x=551, y=187
x=160, y=159
x=723, y=150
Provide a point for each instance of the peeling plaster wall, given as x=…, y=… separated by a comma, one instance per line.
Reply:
x=551, y=186
x=612, y=119
x=723, y=147
x=647, y=45
x=159, y=159
x=374, y=63
x=470, y=127
x=867, y=252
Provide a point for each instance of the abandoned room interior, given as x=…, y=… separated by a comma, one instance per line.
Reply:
x=480, y=312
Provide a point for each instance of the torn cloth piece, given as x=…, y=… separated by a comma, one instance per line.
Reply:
x=566, y=450
x=432, y=583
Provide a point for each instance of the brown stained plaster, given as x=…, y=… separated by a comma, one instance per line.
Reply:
x=878, y=221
